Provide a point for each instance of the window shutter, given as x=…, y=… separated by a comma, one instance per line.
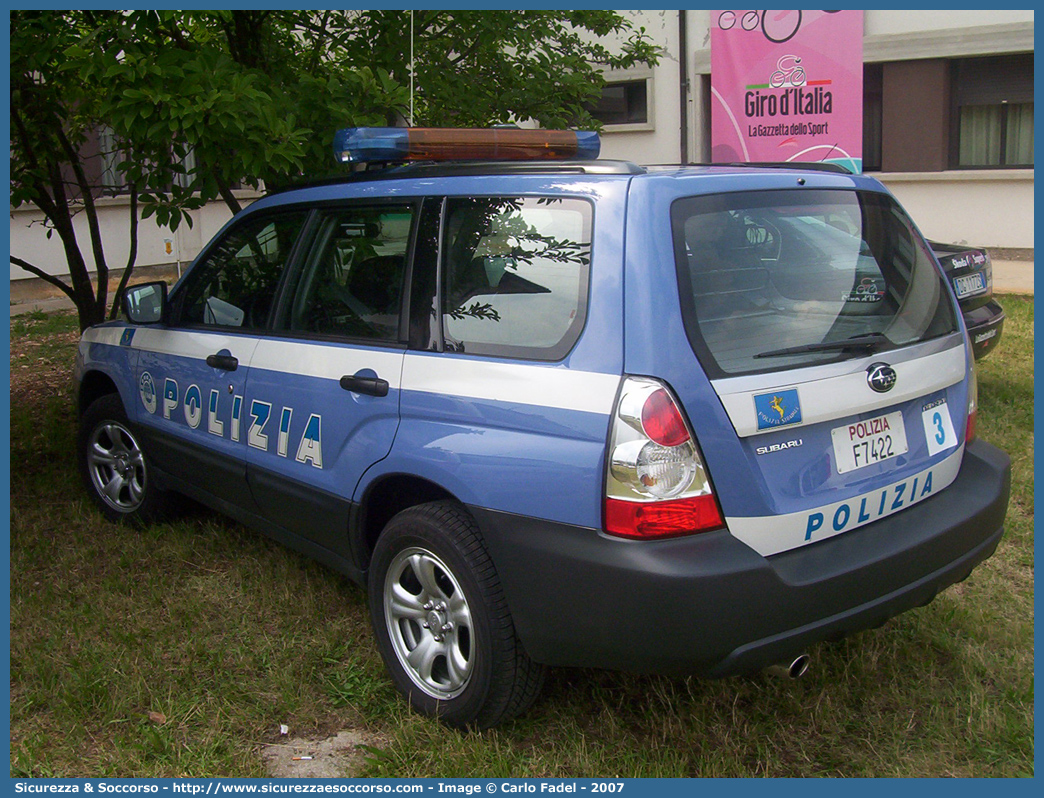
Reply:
x=990, y=81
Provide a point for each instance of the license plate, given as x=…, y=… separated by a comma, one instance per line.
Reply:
x=969, y=284
x=873, y=440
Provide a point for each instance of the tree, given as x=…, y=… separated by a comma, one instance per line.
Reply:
x=254, y=95
x=187, y=119
x=477, y=68
x=198, y=101
x=51, y=119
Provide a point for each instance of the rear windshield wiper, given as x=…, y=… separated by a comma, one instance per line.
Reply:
x=870, y=342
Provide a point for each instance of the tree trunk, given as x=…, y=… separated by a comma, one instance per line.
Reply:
x=132, y=255
x=83, y=294
x=225, y=190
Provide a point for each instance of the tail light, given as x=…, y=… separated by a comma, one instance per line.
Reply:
x=657, y=484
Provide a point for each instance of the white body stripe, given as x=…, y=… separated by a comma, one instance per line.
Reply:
x=838, y=396
x=522, y=383
x=535, y=384
x=103, y=335
x=331, y=362
x=302, y=358
x=772, y=534
x=198, y=345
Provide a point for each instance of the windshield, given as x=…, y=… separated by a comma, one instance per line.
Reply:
x=781, y=279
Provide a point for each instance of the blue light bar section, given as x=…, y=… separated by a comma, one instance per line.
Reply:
x=363, y=144
x=588, y=145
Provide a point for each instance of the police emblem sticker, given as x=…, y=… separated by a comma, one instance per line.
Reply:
x=777, y=409
x=127, y=337
x=147, y=392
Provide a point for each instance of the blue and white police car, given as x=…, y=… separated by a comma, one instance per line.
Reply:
x=557, y=411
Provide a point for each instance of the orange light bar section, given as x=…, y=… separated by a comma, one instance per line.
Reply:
x=497, y=144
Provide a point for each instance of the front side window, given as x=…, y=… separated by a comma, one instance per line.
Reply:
x=352, y=284
x=515, y=274
x=783, y=279
x=235, y=284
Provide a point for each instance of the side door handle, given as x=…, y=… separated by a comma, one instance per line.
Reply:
x=371, y=386
x=222, y=362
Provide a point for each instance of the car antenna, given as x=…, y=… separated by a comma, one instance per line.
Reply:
x=412, y=63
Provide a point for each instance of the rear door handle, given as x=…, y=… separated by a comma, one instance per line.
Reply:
x=371, y=386
x=222, y=362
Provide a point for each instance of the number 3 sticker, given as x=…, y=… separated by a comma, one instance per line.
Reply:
x=938, y=428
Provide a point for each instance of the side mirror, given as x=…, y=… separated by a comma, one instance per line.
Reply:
x=145, y=303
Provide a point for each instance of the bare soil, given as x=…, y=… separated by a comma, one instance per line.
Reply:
x=337, y=757
x=41, y=366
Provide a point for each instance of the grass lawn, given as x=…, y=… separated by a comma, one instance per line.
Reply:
x=178, y=650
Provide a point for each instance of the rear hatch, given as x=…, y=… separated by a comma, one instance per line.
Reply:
x=827, y=333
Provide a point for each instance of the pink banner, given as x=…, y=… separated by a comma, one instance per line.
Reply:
x=787, y=86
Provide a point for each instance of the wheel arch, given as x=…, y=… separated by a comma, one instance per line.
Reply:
x=94, y=385
x=384, y=498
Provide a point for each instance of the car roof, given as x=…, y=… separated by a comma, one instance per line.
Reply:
x=431, y=169
x=482, y=177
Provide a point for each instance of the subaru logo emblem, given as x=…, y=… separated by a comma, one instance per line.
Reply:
x=881, y=377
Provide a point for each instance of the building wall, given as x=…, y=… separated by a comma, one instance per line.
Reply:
x=29, y=239
x=989, y=208
x=914, y=115
x=659, y=140
x=902, y=23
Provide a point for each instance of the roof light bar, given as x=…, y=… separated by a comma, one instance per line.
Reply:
x=384, y=144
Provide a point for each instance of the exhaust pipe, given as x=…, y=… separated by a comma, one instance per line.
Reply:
x=792, y=670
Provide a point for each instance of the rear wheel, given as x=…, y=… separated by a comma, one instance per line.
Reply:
x=442, y=623
x=113, y=464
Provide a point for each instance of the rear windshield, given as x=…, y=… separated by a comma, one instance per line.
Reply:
x=781, y=279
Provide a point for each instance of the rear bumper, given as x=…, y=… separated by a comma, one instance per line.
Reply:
x=985, y=324
x=709, y=604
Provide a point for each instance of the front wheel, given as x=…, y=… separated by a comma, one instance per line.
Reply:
x=442, y=622
x=113, y=464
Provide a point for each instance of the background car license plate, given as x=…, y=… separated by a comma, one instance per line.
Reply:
x=969, y=284
x=870, y=441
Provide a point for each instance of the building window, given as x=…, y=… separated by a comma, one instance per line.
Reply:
x=993, y=114
x=113, y=180
x=185, y=176
x=623, y=103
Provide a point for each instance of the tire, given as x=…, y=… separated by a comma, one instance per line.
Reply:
x=114, y=466
x=442, y=623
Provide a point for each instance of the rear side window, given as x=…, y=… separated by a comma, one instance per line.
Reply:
x=515, y=275
x=782, y=279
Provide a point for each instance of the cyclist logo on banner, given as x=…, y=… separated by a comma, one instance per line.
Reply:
x=777, y=26
x=787, y=86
